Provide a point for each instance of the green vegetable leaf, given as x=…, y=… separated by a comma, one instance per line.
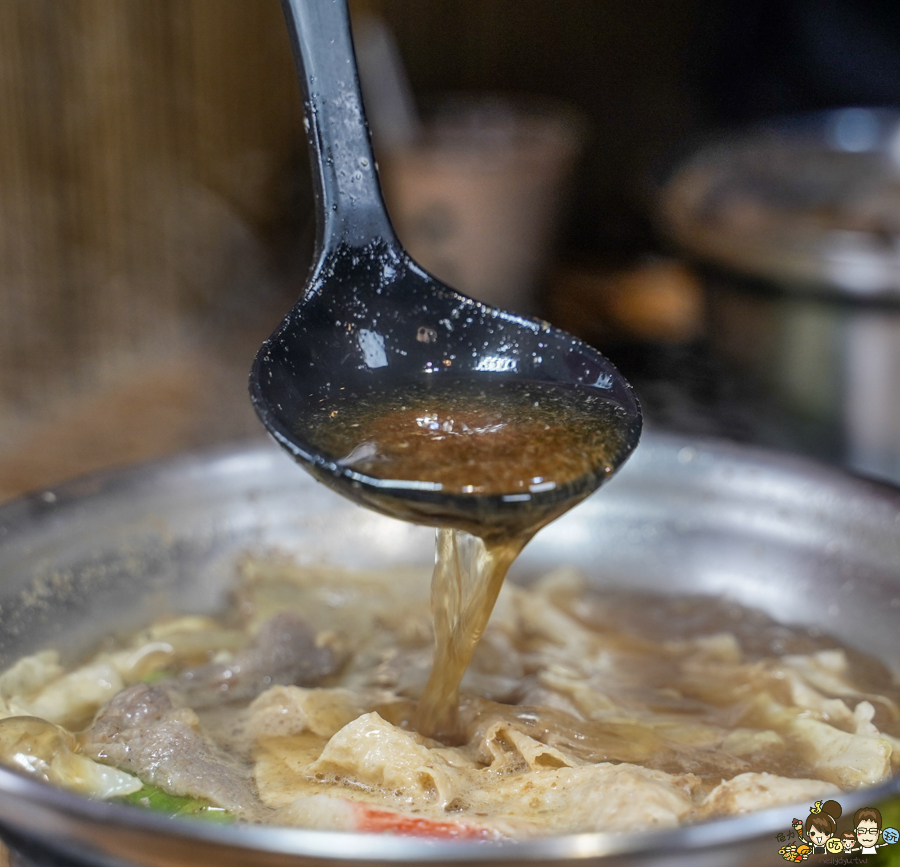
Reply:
x=176, y=806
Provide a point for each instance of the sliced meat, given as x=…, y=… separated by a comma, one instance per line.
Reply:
x=153, y=731
x=284, y=652
x=144, y=731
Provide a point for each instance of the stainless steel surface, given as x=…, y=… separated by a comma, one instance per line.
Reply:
x=831, y=368
x=798, y=224
x=805, y=543
x=810, y=201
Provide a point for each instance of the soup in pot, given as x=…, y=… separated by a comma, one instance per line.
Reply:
x=579, y=711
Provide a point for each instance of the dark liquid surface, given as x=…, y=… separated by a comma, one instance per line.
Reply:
x=482, y=435
x=522, y=452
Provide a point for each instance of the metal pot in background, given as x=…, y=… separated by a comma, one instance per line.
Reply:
x=796, y=225
x=807, y=544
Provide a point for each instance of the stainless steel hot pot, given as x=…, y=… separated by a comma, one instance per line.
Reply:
x=795, y=226
x=108, y=553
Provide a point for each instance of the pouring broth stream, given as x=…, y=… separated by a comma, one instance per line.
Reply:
x=512, y=454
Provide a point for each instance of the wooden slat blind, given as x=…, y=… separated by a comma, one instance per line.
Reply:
x=140, y=144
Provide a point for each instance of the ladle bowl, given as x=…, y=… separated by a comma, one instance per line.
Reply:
x=370, y=317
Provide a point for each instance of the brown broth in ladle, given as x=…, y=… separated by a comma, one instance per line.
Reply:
x=523, y=442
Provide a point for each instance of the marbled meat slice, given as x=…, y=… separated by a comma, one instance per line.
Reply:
x=144, y=731
x=284, y=652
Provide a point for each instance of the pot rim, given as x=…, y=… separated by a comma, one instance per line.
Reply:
x=344, y=845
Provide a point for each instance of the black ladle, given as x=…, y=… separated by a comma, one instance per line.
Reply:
x=370, y=317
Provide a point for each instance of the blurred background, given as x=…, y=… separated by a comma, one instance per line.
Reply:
x=705, y=189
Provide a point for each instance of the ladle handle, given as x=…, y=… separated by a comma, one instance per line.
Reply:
x=348, y=196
